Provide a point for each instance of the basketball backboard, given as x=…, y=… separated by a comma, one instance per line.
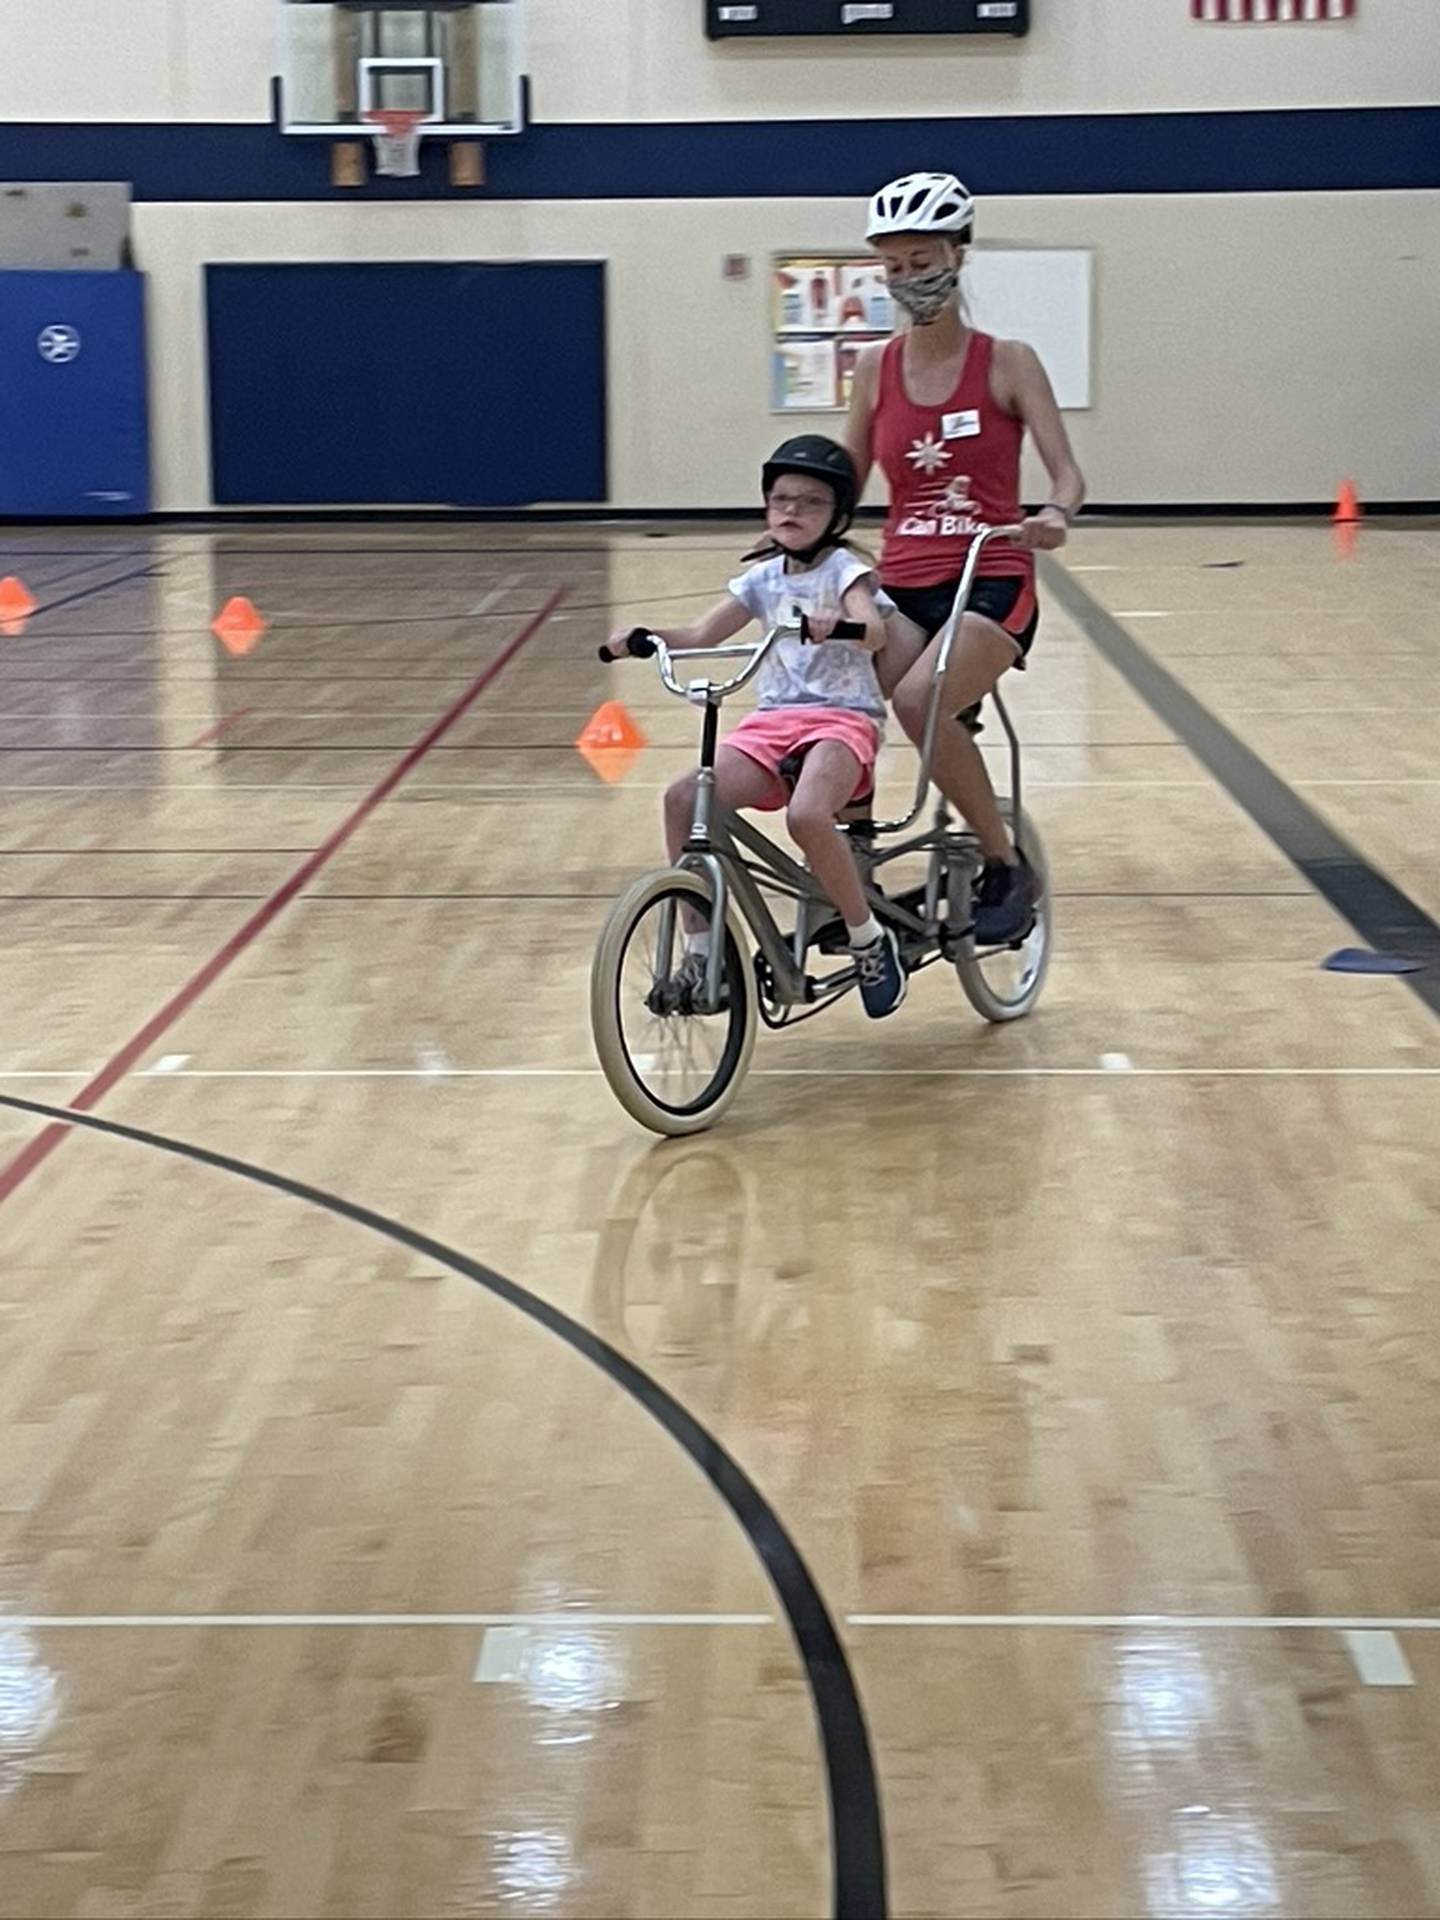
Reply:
x=457, y=63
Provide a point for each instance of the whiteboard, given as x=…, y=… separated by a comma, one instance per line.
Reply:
x=1042, y=296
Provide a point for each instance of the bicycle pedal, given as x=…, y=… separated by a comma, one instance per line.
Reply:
x=666, y=999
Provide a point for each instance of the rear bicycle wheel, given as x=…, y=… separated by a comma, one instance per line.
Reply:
x=1004, y=983
x=672, y=1063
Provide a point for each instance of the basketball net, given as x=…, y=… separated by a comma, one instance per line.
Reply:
x=397, y=143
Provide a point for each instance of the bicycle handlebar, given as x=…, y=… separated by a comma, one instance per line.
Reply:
x=642, y=644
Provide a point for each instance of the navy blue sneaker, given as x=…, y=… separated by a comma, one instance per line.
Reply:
x=1005, y=899
x=882, y=978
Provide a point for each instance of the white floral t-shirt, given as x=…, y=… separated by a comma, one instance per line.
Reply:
x=796, y=673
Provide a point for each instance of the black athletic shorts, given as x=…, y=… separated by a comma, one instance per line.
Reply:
x=1008, y=601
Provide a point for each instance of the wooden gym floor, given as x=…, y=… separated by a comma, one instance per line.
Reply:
x=1027, y=1497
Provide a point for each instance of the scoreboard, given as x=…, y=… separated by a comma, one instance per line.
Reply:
x=730, y=19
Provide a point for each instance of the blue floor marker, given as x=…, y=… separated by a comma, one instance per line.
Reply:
x=1361, y=960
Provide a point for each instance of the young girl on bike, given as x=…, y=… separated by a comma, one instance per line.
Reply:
x=820, y=707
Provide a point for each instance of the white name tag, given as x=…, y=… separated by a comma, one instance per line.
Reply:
x=960, y=426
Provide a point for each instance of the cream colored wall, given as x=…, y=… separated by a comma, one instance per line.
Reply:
x=93, y=60
x=1250, y=348
x=606, y=60
x=649, y=60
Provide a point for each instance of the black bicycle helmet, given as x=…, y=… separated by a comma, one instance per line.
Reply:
x=821, y=459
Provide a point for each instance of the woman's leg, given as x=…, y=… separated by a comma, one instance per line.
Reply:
x=981, y=653
x=827, y=780
x=905, y=641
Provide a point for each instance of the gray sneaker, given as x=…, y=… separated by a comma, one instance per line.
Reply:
x=684, y=991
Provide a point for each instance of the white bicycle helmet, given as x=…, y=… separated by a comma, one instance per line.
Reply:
x=922, y=203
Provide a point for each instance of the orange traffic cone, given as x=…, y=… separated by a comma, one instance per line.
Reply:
x=610, y=742
x=17, y=603
x=1348, y=511
x=239, y=625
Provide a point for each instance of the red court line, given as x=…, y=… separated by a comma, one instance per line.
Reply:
x=110, y=853
x=38, y=1150
x=222, y=725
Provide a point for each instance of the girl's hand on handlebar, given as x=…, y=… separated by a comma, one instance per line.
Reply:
x=1043, y=532
x=635, y=643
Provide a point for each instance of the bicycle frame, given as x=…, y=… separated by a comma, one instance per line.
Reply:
x=715, y=848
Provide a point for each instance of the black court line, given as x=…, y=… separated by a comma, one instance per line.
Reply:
x=73, y=573
x=1383, y=914
x=857, y=1839
x=536, y=550
x=284, y=626
x=87, y=593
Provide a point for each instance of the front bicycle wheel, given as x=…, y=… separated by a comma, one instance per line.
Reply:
x=673, y=1060
x=1003, y=983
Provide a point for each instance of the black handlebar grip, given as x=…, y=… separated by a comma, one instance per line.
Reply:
x=842, y=629
x=638, y=645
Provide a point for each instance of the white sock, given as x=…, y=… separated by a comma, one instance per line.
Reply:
x=866, y=934
x=698, y=942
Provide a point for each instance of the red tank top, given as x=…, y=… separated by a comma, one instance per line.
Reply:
x=950, y=469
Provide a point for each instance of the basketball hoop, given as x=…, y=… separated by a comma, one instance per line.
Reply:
x=397, y=142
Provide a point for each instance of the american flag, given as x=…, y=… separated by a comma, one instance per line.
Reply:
x=1254, y=10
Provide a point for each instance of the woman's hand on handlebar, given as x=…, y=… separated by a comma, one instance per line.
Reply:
x=1043, y=532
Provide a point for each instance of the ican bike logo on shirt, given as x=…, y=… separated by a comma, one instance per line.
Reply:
x=59, y=345
x=950, y=509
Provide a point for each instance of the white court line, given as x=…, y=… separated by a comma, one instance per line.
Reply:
x=45, y=1073
x=95, y=1622
x=1361, y=1624
x=487, y=600
x=221, y=788
x=1379, y=1658
x=1178, y=1622
x=781, y=1073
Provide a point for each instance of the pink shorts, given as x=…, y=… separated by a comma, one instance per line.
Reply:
x=771, y=734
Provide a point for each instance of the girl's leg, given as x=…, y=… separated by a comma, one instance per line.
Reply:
x=828, y=778
x=739, y=782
